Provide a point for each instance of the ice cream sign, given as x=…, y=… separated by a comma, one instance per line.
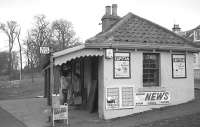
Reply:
x=152, y=98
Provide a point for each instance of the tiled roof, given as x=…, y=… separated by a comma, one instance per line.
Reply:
x=132, y=29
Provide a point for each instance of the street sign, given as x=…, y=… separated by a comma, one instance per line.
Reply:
x=44, y=50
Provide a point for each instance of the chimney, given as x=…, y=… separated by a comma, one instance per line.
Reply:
x=176, y=28
x=114, y=9
x=108, y=20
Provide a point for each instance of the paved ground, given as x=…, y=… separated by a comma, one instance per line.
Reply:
x=33, y=112
x=8, y=120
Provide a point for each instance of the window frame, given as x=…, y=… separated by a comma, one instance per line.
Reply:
x=159, y=69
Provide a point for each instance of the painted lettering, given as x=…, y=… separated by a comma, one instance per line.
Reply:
x=153, y=96
x=160, y=96
x=166, y=95
x=148, y=97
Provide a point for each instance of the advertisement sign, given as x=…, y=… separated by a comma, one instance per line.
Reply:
x=121, y=65
x=119, y=97
x=178, y=66
x=127, y=96
x=152, y=98
x=112, y=98
x=60, y=112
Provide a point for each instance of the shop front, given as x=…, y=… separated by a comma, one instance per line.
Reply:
x=132, y=66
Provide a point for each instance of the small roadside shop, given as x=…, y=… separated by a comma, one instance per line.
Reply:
x=132, y=66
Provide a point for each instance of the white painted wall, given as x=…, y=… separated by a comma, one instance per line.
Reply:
x=182, y=90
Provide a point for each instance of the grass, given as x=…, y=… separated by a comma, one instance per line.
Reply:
x=21, y=89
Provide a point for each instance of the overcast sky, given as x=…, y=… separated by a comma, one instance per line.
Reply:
x=85, y=15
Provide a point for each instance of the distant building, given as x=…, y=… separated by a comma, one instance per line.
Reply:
x=194, y=35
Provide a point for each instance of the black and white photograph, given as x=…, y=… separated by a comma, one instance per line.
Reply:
x=99, y=63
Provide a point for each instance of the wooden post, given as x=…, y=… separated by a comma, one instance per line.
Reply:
x=51, y=78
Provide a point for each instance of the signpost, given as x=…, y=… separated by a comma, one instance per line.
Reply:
x=44, y=50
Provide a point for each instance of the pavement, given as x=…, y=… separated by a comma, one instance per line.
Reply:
x=34, y=112
x=8, y=120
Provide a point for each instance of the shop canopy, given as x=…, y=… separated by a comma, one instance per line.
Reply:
x=75, y=52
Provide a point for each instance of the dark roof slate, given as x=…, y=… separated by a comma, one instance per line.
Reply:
x=134, y=29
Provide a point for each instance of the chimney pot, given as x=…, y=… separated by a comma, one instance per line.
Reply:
x=176, y=28
x=114, y=9
x=108, y=10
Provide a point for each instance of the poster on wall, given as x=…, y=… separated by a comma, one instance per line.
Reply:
x=127, y=96
x=152, y=98
x=119, y=97
x=178, y=66
x=121, y=65
x=112, y=98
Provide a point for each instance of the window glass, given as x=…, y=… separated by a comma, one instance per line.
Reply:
x=150, y=69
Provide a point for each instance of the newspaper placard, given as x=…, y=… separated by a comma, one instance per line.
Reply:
x=152, y=98
x=112, y=98
x=121, y=65
x=178, y=66
x=60, y=112
x=127, y=96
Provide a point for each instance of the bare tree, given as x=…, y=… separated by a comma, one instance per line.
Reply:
x=20, y=51
x=63, y=33
x=38, y=36
x=10, y=30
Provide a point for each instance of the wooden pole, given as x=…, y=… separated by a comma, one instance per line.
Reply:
x=51, y=78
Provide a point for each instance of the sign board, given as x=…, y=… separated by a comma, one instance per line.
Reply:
x=127, y=96
x=109, y=53
x=112, y=98
x=119, y=97
x=60, y=112
x=44, y=50
x=178, y=66
x=121, y=65
x=152, y=98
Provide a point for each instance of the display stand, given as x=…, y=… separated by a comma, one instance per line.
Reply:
x=60, y=112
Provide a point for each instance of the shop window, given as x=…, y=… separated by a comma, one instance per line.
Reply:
x=151, y=69
x=197, y=35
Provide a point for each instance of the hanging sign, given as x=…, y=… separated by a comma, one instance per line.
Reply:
x=152, y=98
x=121, y=65
x=178, y=66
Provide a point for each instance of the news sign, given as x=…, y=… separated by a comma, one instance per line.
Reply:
x=152, y=98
